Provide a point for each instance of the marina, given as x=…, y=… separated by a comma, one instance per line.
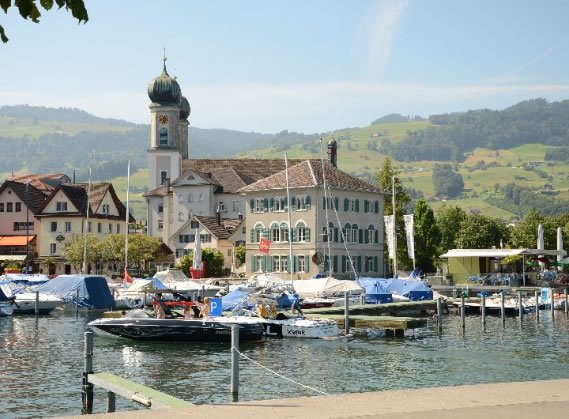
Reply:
x=45, y=383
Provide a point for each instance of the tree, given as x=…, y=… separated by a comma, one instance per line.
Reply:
x=446, y=181
x=449, y=220
x=383, y=180
x=185, y=263
x=481, y=232
x=240, y=255
x=524, y=234
x=427, y=236
x=141, y=249
x=73, y=250
x=29, y=9
x=212, y=258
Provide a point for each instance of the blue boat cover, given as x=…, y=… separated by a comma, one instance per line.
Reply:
x=234, y=299
x=410, y=288
x=94, y=292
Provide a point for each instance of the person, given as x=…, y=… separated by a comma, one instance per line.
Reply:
x=296, y=305
x=196, y=308
x=161, y=310
x=206, y=307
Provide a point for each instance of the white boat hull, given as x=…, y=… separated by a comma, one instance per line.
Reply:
x=25, y=303
x=6, y=309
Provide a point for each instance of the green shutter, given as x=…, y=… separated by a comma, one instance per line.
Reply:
x=366, y=236
x=357, y=205
x=375, y=267
x=376, y=204
x=263, y=264
x=359, y=268
x=335, y=263
x=253, y=236
x=265, y=205
x=343, y=263
x=361, y=235
x=269, y=263
x=323, y=202
x=336, y=234
x=376, y=236
x=307, y=263
x=252, y=205
x=272, y=204
x=336, y=203
x=307, y=202
x=253, y=267
x=307, y=234
x=346, y=204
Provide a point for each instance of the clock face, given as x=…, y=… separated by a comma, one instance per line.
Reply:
x=163, y=119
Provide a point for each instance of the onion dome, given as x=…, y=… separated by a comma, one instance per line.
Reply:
x=184, y=108
x=164, y=89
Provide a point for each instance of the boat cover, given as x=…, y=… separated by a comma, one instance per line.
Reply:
x=149, y=284
x=5, y=291
x=318, y=287
x=410, y=288
x=234, y=299
x=94, y=292
x=25, y=279
x=171, y=275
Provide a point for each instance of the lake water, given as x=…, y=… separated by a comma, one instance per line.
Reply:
x=41, y=362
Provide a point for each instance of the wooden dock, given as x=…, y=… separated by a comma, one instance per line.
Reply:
x=409, y=309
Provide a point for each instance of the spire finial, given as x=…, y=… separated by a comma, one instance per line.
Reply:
x=164, y=59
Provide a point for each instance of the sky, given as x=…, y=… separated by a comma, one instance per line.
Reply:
x=307, y=66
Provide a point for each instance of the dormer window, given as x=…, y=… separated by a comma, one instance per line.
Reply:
x=221, y=207
x=106, y=209
x=61, y=206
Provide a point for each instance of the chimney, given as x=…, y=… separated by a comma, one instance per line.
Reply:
x=218, y=216
x=333, y=153
x=73, y=176
x=240, y=217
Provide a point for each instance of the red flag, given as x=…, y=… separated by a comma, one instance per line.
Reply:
x=264, y=245
x=127, y=278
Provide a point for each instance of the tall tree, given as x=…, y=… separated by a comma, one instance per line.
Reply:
x=481, y=232
x=142, y=249
x=383, y=180
x=427, y=236
x=29, y=9
x=446, y=181
x=449, y=220
x=73, y=250
x=524, y=234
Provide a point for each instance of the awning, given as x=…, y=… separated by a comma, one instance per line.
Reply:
x=499, y=253
x=13, y=257
x=15, y=240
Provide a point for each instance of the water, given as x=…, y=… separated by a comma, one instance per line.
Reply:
x=41, y=362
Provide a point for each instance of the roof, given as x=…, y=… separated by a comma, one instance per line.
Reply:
x=308, y=174
x=162, y=190
x=223, y=230
x=461, y=253
x=32, y=197
x=15, y=240
x=45, y=183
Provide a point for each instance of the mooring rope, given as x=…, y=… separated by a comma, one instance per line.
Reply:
x=280, y=375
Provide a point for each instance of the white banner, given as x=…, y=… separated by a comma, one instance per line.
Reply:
x=388, y=219
x=410, y=235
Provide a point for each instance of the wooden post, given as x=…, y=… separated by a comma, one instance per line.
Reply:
x=37, y=303
x=503, y=306
x=347, y=312
x=483, y=309
x=520, y=305
x=462, y=313
x=552, y=303
x=87, y=393
x=362, y=299
x=536, y=296
x=111, y=402
x=77, y=302
x=439, y=314
x=235, y=361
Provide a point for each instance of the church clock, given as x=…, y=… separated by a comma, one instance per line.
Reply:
x=163, y=119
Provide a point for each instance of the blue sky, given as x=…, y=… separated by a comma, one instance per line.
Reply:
x=308, y=66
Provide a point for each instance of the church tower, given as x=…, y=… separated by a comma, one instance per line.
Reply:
x=169, y=112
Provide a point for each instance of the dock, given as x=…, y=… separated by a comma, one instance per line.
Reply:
x=408, y=308
x=531, y=399
x=377, y=322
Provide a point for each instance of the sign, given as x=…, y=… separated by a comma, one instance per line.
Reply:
x=215, y=307
x=60, y=238
x=264, y=245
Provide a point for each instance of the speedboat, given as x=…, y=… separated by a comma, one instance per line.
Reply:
x=139, y=326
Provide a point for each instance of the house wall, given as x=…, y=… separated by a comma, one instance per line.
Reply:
x=7, y=219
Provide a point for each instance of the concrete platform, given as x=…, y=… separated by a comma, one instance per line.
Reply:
x=532, y=399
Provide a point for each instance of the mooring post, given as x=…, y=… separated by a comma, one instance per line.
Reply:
x=439, y=314
x=347, y=312
x=111, y=402
x=462, y=313
x=566, y=308
x=536, y=296
x=362, y=299
x=77, y=302
x=503, y=306
x=552, y=302
x=483, y=309
x=87, y=391
x=520, y=305
x=235, y=361
x=37, y=303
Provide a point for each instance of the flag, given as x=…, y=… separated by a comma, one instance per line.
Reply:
x=127, y=278
x=388, y=219
x=264, y=245
x=197, y=251
x=410, y=232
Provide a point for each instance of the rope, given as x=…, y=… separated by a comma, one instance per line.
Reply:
x=280, y=375
x=344, y=239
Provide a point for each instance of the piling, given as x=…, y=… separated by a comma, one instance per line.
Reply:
x=362, y=299
x=503, y=307
x=111, y=402
x=552, y=303
x=520, y=305
x=87, y=390
x=439, y=314
x=235, y=361
x=483, y=309
x=536, y=296
x=462, y=313
x=347, y=313
x=37, y=303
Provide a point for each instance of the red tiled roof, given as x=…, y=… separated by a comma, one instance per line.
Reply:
x=223, y=230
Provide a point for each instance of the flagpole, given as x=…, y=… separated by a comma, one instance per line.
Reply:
x=127, y=221
x=289, y=223
x=394, y=228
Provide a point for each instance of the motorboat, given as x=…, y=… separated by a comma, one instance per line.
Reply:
x=137, y=325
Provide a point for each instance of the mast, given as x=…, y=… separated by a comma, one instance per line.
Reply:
x=326, y=210
x=394, y=229
x=127, y=219
x=84, y=269
x=289, y=223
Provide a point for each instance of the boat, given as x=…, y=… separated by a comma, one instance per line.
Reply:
x=493, y=305
x=6, y=304
x=175, y=279
x=137, y=325
x=24, y=302
x=85, y=291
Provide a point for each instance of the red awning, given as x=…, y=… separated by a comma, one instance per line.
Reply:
x=15, y=240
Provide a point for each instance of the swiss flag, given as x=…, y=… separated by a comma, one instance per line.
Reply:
x=264, y=245
x=127, y=278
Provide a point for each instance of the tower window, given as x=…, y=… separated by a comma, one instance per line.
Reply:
x=163, y=136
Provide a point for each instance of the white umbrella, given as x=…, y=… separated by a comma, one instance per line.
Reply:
x=197, y=252
x=559, y=246
x=540, y=244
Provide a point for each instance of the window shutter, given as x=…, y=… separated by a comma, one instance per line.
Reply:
x=376, y=204
x=357, y=205
x=269, y=263
x=346, y=204
x=336, y=234
x=375, y=264
x=253, y=236
x=265, y=205
x=361, y=235
x=376, y=236
x=336, y=203
x=343, y=236
x=253, y=267
x=252, y=205
x=307, y=234
x=292, y=265
x=307, y=202
x=272, y=204
x=366, y=235
x=293, y=202
x=307, y=263
x=323, y=202
x=335, y=263
x=264, y=264
x=343, y=263
x=359, y=268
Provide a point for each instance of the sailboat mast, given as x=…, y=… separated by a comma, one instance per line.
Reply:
x=289, y=222
x=85, y=231
x=394, y=229
x=127, y=217
x=326, y=209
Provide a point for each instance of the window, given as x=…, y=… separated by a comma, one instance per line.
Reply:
x=2, y=207
x=259, y=205
x=278, y=204
x=221, y=207
x=194, y=224
x=354, y=233
x=236, y=206
x=257, y=233
x=275, y=233
x=302, y=232
x=61, y=206
x=369, y=264
x=99, y=228
x=284, y=263
x=184, y=238
x=21, y=226
x=110, y=228
x=276, y=263
x=106, y=209
x=163, y=176
x=89, y=227
x=258, y=263
x=68, y=226
x=301, y=263
x=52, y=248
x=284, y=232
x=160, y=208
x=190, y=197
x=205, y=238
x=228, y=252
x=53, y=226
x=9, y=206
x=18, y=206
x=160, y=224
x=370, y=234
x=347, y=233
x=163, y=134
x=118, y=228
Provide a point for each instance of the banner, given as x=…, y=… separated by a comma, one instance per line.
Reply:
x=127, y=278
x=388, y=219
x=264, y=245
x=410, y=233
